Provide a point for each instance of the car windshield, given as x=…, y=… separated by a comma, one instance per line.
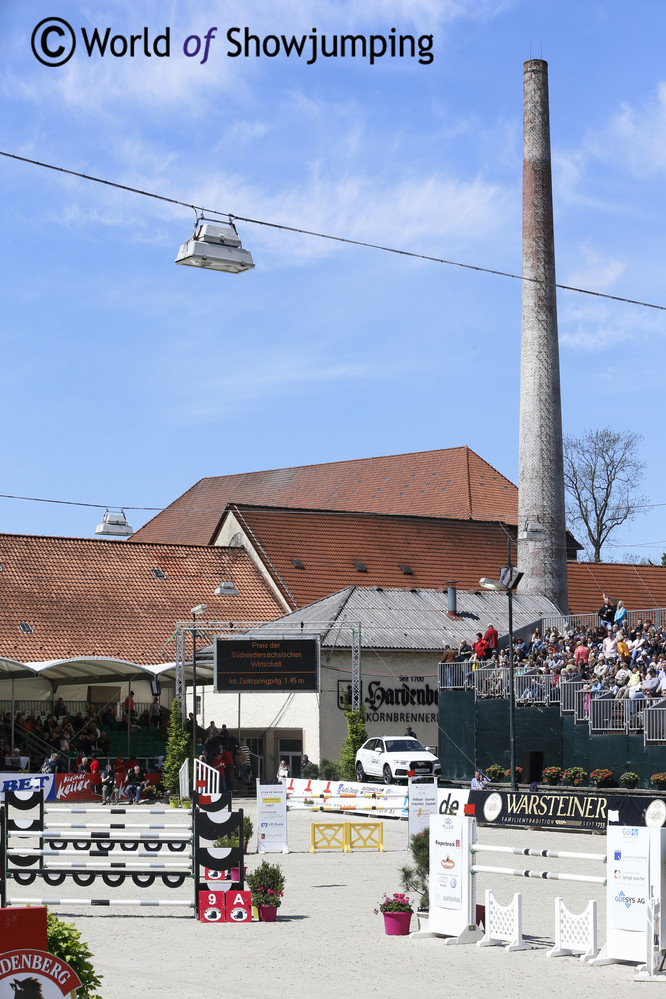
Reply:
x=403, y=746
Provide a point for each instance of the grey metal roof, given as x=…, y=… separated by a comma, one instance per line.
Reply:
x=414, y=619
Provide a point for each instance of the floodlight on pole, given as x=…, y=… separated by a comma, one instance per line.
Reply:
x=227, y=588
x=114, y=525
x=215, y=247
x=199, y=609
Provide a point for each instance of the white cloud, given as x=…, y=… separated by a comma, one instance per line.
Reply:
x=597, y=272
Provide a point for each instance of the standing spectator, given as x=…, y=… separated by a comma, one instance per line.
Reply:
x=155, y=712
x=492, y=638
x=480, y=647
x=283, y=770
x=620, y=615
x=243, y=761
x=607, y=612
x=108, y=784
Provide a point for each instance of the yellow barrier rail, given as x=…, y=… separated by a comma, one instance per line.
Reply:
x=346, y=836
x=365, y=836
x=328, y=836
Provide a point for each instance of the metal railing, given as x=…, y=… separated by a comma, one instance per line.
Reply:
x=613, y=715
x=582, y=622
x=453, y=676
x=491, y=681
x=603, y=715
x=654, y=722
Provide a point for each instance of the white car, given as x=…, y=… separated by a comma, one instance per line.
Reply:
x=395, y=757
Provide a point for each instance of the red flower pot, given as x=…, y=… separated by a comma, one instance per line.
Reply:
x=396, y=924
x=267, y=913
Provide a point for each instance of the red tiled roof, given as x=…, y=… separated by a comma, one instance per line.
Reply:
x=329, y=543
x=640, y=587
x=453, y=483
x=85, y=597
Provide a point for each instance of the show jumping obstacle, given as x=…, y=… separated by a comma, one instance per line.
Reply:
x=453, y=882
x=94, y=843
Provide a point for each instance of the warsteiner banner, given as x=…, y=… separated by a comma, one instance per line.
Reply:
x=558, y=809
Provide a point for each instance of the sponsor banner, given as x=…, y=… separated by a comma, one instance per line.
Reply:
x=272, y=818
x=447, y=863
x=27, y=782
x=452, y=800
x=35, y=973
x=319, y=790
x=422, y=804
x=628, y=876
x=73, y=787
x=557, y=809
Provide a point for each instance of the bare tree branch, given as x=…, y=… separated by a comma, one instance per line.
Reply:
x=602, y=472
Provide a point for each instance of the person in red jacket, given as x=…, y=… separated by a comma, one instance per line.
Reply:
x=480, y=647
x=492, y=638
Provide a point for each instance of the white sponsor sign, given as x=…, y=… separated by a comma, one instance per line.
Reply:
x=272, y=818
x=422, y=804
x=628, y=874
x=446, y=862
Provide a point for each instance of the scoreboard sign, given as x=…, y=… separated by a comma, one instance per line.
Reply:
x=265, y=664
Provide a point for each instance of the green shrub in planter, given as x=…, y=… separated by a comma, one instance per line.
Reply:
x=415, y=879
x=64, y=941
x=574, y=775
x=266, y=878
x=495, y=772
x=602, y=777
x=552, y=775
x=629, y=779
x=310, y=771
x=659, y=780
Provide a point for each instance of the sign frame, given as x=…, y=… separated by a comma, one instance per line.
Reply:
x=267, y=674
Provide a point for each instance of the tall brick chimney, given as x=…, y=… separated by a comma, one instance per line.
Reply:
x=541, y=524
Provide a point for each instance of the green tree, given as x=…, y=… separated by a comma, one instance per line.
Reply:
x=179, y=749
x=601, y=473
x=356, y=736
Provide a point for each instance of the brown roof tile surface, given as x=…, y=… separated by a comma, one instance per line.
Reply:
x=85, y=597
x=329, y=544
x=450, y=483
x=640, y=587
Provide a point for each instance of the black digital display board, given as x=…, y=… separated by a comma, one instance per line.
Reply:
x=265, y=664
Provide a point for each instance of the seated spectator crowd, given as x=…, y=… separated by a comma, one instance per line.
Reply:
x=613, y=660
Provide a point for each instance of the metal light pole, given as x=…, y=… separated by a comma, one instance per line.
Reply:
x=512, y=698
x=508, y=581
x=199, y=609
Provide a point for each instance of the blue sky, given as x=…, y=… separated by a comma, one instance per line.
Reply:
x=126, y=378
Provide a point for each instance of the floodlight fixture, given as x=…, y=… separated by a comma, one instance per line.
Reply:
x=114, y=524
x=215, y=247
x=199, y=609
x=226, y=588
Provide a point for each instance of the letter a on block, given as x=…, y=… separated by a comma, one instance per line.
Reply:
x=239, y=907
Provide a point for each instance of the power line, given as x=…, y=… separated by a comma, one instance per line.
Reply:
x=322, y=235
x=97, y=506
